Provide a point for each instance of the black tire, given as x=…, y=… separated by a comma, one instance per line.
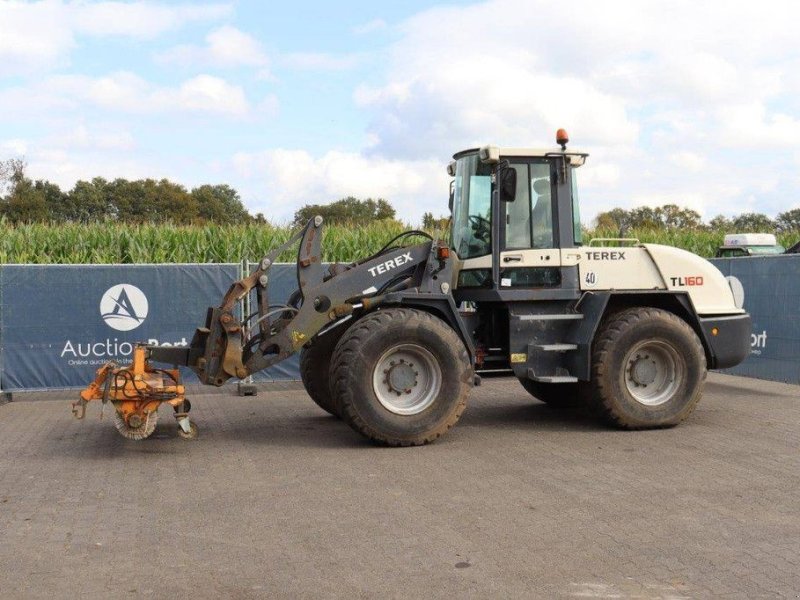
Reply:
x=627, y=349
x=558, y=395
x=315, y=361
x=441, y=380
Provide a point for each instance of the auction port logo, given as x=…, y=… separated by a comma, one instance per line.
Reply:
x=124, y=307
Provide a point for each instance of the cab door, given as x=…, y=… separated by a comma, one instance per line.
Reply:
x=529, y=255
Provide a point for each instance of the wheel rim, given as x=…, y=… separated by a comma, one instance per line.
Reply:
x=407, y=379
x=654, y=371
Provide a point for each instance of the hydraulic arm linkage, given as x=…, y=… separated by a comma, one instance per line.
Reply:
x=325, y=297
x=228, y=346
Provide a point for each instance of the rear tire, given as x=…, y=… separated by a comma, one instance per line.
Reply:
x=558, y=395
x=315, y=361
x=401, y=377
x=648, y=369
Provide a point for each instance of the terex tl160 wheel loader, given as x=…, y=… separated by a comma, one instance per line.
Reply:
x=391, y=343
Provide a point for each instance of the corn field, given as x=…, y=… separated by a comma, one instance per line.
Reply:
x=113, y=243
x=109, y=243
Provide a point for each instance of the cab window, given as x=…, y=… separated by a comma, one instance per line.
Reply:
x=529, y=219
x=472, y=208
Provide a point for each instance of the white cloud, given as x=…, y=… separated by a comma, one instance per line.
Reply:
x=676, y=101
x=690, y=161
x=370, y=27
x=97, y=138
x=205, y=93
x=40, y=35
x=139, y=19
x=278, y=182
x=64, y=167
x=321, y=61
x=225, y=47
x=15, y=146
x=125, y=92
x=83, y=153
x=753, y=126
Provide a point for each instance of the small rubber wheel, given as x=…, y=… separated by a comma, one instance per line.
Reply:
x=558, y=395
x=648, y=369
x=192, y=434
x=401, y=376
x=315, y=361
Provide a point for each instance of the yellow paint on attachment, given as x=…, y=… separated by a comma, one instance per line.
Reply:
x=298, y=338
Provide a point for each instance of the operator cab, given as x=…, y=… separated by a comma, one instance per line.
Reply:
x=514, y=212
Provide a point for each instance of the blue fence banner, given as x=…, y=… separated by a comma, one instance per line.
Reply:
x=772, y=297
x=60, y=323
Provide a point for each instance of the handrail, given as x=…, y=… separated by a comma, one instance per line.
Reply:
x=632, y=241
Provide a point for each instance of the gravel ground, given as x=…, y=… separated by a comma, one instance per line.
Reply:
x=277, y=499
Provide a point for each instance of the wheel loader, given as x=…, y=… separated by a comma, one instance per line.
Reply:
x=393, y=342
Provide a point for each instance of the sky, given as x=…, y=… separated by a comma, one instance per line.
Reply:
x=695, y=103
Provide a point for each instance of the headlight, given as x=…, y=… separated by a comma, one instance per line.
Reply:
x=738, y=290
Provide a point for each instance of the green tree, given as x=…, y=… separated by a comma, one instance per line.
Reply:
x=432, y=223
x=127, y=201
x=220, y=204
x=347, y=210
x=170, y=201
x=90, y=201
x=720, y=223
x=645, y=217
x=673, y=216
x=25, y=203
x=615, y=219
x=56, y=201
x=753, y=223
x=789, y=220
x=148, y=200
x=11, y=170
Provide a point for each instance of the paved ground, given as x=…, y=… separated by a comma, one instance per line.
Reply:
x=277, y=499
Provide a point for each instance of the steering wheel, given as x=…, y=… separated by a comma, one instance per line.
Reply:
x=481, y=227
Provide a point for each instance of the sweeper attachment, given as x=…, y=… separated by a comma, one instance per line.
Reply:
x=391, y=343
x=136, y=392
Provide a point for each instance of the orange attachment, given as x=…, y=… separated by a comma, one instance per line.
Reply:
x=136, y=390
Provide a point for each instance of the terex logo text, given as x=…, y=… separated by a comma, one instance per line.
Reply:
x=124, y=307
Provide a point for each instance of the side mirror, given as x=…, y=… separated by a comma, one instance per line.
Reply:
x=507, y=184
x=452, y=194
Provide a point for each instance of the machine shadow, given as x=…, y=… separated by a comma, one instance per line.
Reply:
x=303, y=426
x=531, y=416
x=325, y=431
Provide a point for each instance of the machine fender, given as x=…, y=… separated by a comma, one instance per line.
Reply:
x=441, y=305
x=730, y=345
x=594, y=306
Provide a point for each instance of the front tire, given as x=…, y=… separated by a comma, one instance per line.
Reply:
x=401, y=377
x=648, y=369
x=315, y=361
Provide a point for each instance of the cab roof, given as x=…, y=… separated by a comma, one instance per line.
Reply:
x=491, y=153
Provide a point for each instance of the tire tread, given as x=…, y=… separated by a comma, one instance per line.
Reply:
x=348, y=351
x=606, y=343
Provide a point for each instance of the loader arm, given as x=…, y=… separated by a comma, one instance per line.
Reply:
x=228, y=347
